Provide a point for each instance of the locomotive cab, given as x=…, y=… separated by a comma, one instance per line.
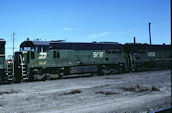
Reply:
x=32, y=50
x=32, y=54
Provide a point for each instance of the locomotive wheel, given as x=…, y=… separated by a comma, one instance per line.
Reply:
x=121, y=69
x=106, y=71
x=39, y=76
x=54, y=76
x=114, y=70
x=58, y=75
x=61, y=75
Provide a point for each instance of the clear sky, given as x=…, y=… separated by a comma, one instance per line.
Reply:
x=85, y=20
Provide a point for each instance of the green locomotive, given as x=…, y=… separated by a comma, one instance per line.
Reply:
x=146, y=57
x=38, y=60
x=2, y=60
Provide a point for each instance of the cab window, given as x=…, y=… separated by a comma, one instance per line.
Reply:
x=41, y=49
x=56, y=54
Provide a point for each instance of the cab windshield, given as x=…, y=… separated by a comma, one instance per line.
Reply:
x=26, y=49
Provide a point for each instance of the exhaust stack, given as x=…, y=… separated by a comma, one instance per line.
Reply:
x=134, y=40
x=150, y=33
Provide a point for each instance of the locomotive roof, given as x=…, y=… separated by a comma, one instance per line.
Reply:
x=72, y=45
x=34, y=43
x=93, y=45
x=84, y=46
x=145, y=47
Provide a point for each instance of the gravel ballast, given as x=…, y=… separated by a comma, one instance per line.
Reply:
x=138, y=92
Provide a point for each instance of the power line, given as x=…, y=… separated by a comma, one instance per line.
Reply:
x=3, y=36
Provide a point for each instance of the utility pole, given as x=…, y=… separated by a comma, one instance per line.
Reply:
x=13, y=41
x=13, y=52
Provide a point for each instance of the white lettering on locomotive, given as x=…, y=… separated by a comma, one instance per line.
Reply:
x=151, y=54
x=43, y=55
x=42, y=62
x=2, y=55
x=97, y=54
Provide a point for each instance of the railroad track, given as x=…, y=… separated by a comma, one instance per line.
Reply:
x=163, y=110
x=64, y=77
x=80, y=75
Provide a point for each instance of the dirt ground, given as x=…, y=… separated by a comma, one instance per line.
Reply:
x=139, y=92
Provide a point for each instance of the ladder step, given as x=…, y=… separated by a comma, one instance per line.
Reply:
x=25, y=78
x=24, y=71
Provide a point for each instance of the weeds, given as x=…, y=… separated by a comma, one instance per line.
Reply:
x=76, y=91
x=8, y=92
x=112, y=78
x=138, y=88
x=106, y=93
x=154, y=88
